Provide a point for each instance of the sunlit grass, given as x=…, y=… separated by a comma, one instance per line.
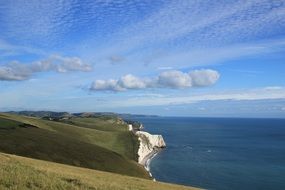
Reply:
x=24, y=173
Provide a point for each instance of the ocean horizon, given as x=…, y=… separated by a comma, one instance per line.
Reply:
x=219, y=153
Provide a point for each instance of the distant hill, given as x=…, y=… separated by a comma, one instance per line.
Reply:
x=57, y=116
x=41, y=113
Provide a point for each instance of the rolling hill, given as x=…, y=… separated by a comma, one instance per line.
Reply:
x=95, y=142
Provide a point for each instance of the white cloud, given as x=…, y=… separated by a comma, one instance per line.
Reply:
x=168, y=79
x=21, y=71
x=65, y=64
x=174, y=79
x=7, y=73
x=110, y=85
x=204, y=77
x=131, y=82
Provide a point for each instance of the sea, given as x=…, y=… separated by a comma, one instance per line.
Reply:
x=219, y=153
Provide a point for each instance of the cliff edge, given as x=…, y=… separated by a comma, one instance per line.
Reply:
x=149, y=146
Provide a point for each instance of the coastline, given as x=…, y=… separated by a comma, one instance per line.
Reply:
x=150, y=145
x=147, y=160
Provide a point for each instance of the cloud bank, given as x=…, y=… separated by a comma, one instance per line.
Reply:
x=16, y=71
x=169, y=79
x=266, y=94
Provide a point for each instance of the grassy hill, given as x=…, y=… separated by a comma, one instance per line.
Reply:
x=24, y=173
x=96, y=142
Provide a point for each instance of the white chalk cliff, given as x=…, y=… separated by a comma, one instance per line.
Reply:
x=149, y=144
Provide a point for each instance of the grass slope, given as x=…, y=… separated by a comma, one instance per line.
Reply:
x=24, y=173
x=109, y=134
x=97, y=144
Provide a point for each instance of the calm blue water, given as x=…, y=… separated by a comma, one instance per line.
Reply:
x=220, y=153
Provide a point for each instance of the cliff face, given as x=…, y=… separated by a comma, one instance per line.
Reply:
x=149, y=144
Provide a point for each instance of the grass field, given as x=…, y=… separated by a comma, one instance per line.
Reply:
x=95, y=143
x=112, y=136
x=24, y=173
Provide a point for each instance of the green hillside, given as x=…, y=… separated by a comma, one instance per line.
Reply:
x=24, y=173
x=101, y=143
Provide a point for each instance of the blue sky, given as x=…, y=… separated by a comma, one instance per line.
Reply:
x=174, y=58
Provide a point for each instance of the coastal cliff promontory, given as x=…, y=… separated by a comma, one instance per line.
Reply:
x=149, y=146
